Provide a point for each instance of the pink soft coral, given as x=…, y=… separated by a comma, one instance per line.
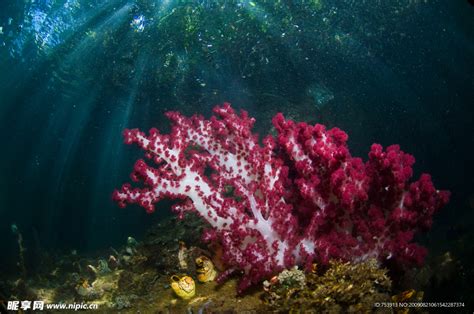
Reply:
x=297, y=198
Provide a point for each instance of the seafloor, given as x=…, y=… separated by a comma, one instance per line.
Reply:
x=136, y=279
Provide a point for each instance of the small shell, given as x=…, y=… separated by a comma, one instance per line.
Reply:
x=184, y=287
x=205, y=269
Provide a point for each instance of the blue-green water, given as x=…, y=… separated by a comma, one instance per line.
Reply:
x=75, y=73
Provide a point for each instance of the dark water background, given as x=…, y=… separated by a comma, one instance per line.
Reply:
x=74, y=74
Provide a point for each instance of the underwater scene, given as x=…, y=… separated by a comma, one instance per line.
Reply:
x=237, y=156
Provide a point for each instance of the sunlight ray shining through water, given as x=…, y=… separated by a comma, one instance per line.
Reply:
x=109, y=158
